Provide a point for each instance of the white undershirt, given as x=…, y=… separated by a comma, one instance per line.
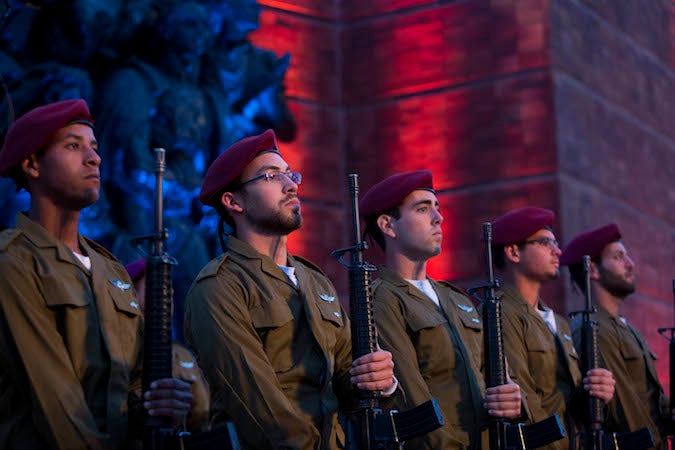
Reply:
x=425, y=286
x=549, y=317
x=290, y=273
x=85, y=260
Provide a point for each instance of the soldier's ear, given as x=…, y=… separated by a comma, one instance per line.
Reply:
x=30, y=167
x=512, y=253
x=386, y=225
x=230, y=203
x=594, y=271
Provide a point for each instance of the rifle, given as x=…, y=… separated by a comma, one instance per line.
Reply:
x=368, y=427
x=158, y=434
x=503, y=434
x=669, y=333
x=593, y=436
x=157, y=358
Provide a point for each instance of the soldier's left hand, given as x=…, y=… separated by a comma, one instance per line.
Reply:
x=600, y=383
x=504, y=400
x=169, y=397
x=373, y=372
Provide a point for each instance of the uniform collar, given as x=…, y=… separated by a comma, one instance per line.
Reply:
x=267, y=265
x=41, y=238
x=388, y=274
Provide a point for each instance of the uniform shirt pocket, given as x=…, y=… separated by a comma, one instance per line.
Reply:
x=125, y=302
x=542, y=360
x=273, y=322
x=427, y=332
x=331, y=312
x=420, y=321
x=59, y=295
x=471, y=322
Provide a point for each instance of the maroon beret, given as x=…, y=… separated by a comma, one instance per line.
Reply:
x=519, y=224
x=390, y=192
x=136, y=269
x=232, y=162
x=34, y=130
x=590, y=243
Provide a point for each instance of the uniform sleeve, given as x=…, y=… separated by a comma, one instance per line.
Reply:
x=516, y=354
x=413, y=390
x=244, y=386
x=28, y=331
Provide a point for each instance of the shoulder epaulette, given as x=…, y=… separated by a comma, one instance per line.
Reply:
x=453, y=287
x=7, y=237
x=309, y=264
x=100, y=249
x=212, y=268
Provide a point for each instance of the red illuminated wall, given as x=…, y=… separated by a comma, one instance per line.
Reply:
x=563, y=104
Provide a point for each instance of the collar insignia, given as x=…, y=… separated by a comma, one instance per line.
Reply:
x=474, y=320
x=327, y=298
x=186, y=364
x=134, y=305
x=465, y=308
x=120, y=285
x=567, y=337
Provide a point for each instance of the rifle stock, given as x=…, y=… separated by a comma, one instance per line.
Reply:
x=503, y=434
x=368, y=427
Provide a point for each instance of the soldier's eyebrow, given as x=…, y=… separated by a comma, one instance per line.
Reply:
x=78, y=137
x=271, y=167
x=426, y=202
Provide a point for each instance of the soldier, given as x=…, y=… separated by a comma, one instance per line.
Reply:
x=537, y=341
x=431, y=328
x=267, y=326
x=640, y=401
x=69, y=322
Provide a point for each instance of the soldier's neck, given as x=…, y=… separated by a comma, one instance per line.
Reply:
x=273, y=246
x=527, y=287
x=405, y=267
x=607, y=301
x=60, y=223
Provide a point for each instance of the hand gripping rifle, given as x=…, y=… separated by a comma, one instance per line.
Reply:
x=157, y=347
x=503, y=434
x=368, y=427
x=669, y=333
x=593, y=436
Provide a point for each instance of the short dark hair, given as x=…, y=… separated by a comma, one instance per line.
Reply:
x=373, y=230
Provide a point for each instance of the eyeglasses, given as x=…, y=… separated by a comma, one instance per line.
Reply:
x=275, y=176
x=544, y=242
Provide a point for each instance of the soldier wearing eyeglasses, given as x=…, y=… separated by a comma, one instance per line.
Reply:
x=537, y=341
x=269, y=331
x=640, y=400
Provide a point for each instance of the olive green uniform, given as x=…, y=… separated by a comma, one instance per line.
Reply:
x=68, y=342
x=639, y=400
x=437, y=354
x=276, y=356
x=546, y=366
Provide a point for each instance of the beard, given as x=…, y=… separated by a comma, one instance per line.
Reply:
x=277, y=222
x=615, y=284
